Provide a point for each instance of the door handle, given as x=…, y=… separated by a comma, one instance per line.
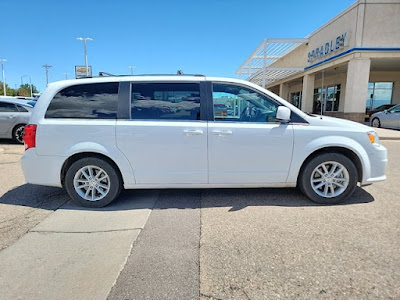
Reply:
x=193, y=132
x=222, y=132
x=11, y=116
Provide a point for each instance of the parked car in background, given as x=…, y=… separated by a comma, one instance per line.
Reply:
x=96, y=136
x=389, y=118
x=370, y=112
x=220, y=110
x=14, y=115
x=20, y=100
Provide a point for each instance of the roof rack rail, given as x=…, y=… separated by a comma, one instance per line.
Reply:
x=101, y=74
x=200, y=75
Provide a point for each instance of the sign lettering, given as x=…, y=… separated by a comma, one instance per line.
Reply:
x=327, y=48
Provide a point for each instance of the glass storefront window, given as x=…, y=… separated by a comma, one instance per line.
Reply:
x=328, y=96
x=379, y=93
x=295, y=99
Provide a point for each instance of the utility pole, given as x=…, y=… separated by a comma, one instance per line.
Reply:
x=4, y=76
x=47, y=67
x=84, y=48
x=132, y=69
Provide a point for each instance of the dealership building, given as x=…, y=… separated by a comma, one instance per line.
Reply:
x=350, y=64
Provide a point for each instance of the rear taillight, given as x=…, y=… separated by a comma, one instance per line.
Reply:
x=30, y=136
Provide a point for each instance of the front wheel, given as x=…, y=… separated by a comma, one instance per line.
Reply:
x=92, y=182
x=376, y=123
x=328, y=178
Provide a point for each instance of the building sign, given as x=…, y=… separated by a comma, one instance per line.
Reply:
x=327, y=48
x=80, y=72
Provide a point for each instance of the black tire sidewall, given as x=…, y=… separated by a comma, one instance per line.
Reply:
x=379, y=122
x=14, y=131
x=115, y=181
x=305, y=184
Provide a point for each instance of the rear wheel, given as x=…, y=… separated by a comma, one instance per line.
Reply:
x=376, y=123
x=93, y=182
x=18, y=133
x=328, y=178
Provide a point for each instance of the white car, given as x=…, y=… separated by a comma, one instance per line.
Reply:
x=96, y=136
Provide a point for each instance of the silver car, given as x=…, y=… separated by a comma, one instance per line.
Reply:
x=14, y=115
x=389, y=118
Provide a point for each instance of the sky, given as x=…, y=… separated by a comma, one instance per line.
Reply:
x=210, y=37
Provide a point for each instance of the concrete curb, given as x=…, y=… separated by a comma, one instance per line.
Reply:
x=389, y=138
x=387, y=134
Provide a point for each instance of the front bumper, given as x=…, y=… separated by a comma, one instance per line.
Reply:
x=378, y=162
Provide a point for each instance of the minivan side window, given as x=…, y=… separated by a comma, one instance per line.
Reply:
x=235, y=103
x=85, y=101
x=165, y=101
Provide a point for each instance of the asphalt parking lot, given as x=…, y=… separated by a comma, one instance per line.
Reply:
x=211, y=244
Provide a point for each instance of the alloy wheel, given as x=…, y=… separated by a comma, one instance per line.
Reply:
x=329, y=179
x=92, y=183
x=19, y=134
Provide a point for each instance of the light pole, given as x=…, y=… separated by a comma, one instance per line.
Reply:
x=47, y=67
x=132, y=68
x=66, y=75
x=30, y=81
x=4, y=76
x=84, y=48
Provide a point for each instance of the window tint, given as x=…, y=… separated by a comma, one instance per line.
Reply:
x=22, y=109
x=395, y=109
x=236, y=103
x=166, y=101
x=86, y=101
x=7, y=107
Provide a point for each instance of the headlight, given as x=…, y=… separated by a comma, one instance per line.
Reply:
x=373, y=138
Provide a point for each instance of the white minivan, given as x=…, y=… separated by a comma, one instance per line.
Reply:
x=96, y=136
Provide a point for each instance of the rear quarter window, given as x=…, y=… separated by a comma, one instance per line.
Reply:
x=22, y=109
x=85, y=101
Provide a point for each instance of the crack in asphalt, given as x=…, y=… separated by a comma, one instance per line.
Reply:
x=99, y=231
x=209, y=297
x=9, y=163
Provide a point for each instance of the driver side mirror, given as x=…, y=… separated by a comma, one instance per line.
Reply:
x=283, y=114
x=385, y=111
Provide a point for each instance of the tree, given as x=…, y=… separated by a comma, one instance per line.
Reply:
x=10, y=91
x=24, y=90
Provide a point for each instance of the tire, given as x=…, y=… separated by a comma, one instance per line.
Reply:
x=376, y=123
x=330, y=189
x=18, y=134
x=83, y=187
